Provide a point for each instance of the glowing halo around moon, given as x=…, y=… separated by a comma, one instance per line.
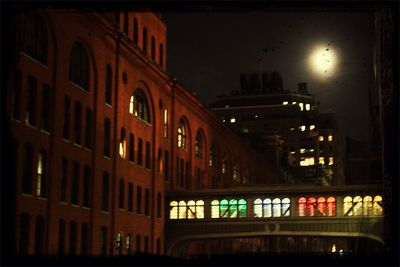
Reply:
x=323, y=61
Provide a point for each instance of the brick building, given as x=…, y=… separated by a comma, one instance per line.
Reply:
x=100, y=132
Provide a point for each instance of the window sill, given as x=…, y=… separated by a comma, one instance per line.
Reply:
x=77, y=145
x=33, y=59
x=63, y=203
x=108, y=105
x=86, y=208
x=75, y=205
x=107, y=157
x=42, y=198
x=105, y=212
x=66, y=140
x=26, y=195
x=45, y=132
x=80, y=87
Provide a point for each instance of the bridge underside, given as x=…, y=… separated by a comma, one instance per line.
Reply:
x=270, y=234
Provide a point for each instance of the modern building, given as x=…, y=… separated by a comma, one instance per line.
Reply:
x=286, y=126
x=98, y=131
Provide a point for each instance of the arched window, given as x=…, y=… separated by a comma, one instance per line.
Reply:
x=367, y=206
x=173, y=212
x=357, y=206
x=182, y=210
x=34, y=37
x=121, y=202
x=79, y=71
x=331, y=206
x=258, y=208
x=311, y=204
x=200, y=209
x=135, y=32
x=24, y=233
x=321, y=206
x=191, y=207
x=377, y=206
x=144, y=46
x=122, y=144
x=276, y=207
x=165, y=123
x=108, y=92
x=348, y=206
x=223, y=209
x=215, y=209
x=181, y=134
x=235, y=173
x=161, y=55
x=242, y=207
x=223, y=164
x=267, y=208
x=39, y=235
x=302, y=206
x=285, y=207
x=198, y=145
x=233, y=208
x=153, y=48
x=138, y=106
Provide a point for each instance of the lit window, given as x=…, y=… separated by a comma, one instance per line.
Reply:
x=256, y=116
x=215, y=209
x=223, y=120
x=330, y=138
x=285, y=103
x=267, y=208
x=138, y=106
x=330, y=160
x=292, y=152
x=302, y=206
x=302, y=150
x=348, y=206
x=191, y=209
x=367, y=206
x=321, y=138
x=292, y=129
x=232, y=120
x=301, y=105
x=321, y=160
x=131, y=105
x=212, y=155
x=285, y=207
x=357, y=206
x=312, y=127
x=182, y=210
x=198, y=144
x=303, y=128
x=331, y=206
x=41, y=182
x=200, y=209
x=223, y=208
x=173, y=212
x=242, y=208
x=377, y=206
x=181, y=134
x=165, y=123
x=276, y=207
x=321, y=206
x=235, y=173
x=311, y=206
x=308, y=106
x=294, y=102
x=258, y=208
x=223, y=165
x=122, y=144
x=309, y=161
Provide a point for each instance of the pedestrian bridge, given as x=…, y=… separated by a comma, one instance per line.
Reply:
x=330, y=211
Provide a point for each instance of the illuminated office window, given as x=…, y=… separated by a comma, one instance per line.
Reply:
x=191, y=209
x=357, y=206
x=200, y=209
x=132, y=105
x=181, y=134
x=321, y=206
x=215, y=209
x=302, y=150
x=233, y=208
x=122, y=144
x=312, y=127
x=321, y=138
x=309, y=161
x=242, y=206
x=173, y=212
x=377, y=206
x=367, y=206
x=348, y=206
x=308, y=106
x=294, y=102
x=302, y=206
x=165, y=123
x=276, y=207
x=321, y=160
x=303, y=128
x=267, y=208
x=330, y=160
x=331, y=206
x=223, y=166
x=301, y=105
x=232, y=120
x=285, y=103
x=182, y=210
x=223, y=208
x=330, y=138
x=285, y=207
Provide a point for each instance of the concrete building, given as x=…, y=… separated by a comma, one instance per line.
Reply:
x=98, y=131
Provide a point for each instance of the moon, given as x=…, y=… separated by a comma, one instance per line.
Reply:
x=323, y=60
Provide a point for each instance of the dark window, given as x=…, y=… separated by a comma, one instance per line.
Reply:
x=160, y=161
x=24, y=233
x=73, y=238
x=166, y=165
x=34, y=37
x=146, y=202
x=103, y=241
x=45, y=108
x=177, y=170
x=64, y=180
x=121, y=196
x=140, y=152
x=27, y=169
x=116, y=19
x=108, y=93
x=135, y=31
x=144, y=40
x=105, y=193
x=61, y=237
x=140, y=106
x=158, y=246
x=161, y=55
x=139, y=200
x=75, y=183
x=86, y=186
x=79, y=70
x=187, y=175
x=138, y=243
x=89, y=129
x=122, y=144
x=159, y=205
x=67, y=114
x=77, y=123
x=130, y=197
x=131, y=148
x=39, y=236
x=198, y=145
x=16, y=95
x=153, y=48
x=147, y=155
x=182, y=174
x=126, y=22
x=107, y=137
x=84, y=239
x=30, y=98
x=146, y=244
x=41, y=179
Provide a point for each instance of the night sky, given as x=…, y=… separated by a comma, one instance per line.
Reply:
x=207, y=51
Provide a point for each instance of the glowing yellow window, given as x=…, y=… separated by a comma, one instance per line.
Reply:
x=182, y=210
x=215, y=209
x=173, y=212
x=377, y=206
x=232, y=120
x=357, y=206
x=330, y=138
x=258, y=208
x=312, y=127
x=303, y=128
x=330, y=160
x=321, y=160
x=294, y=102
x=308, y=106
x=347, y=206
x=285, y=103
x=191, y=209
x=200, y=209
x=321, y=138
x=301, y=105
